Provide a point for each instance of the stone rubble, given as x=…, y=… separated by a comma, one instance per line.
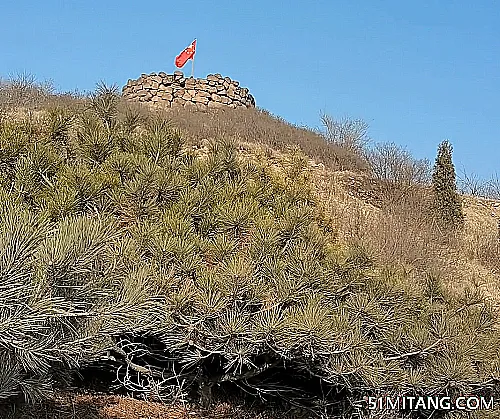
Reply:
x=177, y=90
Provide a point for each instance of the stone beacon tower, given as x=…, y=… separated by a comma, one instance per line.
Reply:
x=176, y=90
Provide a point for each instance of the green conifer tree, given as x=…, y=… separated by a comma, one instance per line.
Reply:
x=447, y=201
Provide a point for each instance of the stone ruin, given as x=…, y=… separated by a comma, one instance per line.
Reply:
x=177, y=90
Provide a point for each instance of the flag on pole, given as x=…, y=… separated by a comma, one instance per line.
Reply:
x=187, y=54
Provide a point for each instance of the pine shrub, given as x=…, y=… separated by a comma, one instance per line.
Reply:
x=183, y=274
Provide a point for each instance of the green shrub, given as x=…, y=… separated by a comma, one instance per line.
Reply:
x=181, y=273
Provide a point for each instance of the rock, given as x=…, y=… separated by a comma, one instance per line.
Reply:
x=168, y=79
x=215, y=105
x=178, y=74
x=212, y=77
x=200, y=99
x=216, y=97
x=178, y=101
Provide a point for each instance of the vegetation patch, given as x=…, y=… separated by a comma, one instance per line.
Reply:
x=183, y=274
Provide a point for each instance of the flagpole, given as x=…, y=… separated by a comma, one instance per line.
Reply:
x=192, y=64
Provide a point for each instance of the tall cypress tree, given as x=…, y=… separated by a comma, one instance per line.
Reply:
x=447, y=201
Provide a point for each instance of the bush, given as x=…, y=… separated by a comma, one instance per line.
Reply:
x=392, y=163
x=351, y=134
x=23, y=90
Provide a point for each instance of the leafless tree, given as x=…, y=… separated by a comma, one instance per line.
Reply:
x=471, y=184
x=391, y=162
x=348, y=133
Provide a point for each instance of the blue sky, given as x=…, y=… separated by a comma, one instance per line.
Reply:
x=418, y=72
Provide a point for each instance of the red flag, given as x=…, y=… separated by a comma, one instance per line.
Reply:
x=187, y=54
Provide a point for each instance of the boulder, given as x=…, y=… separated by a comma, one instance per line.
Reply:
x=200, y=99
x=215, y=105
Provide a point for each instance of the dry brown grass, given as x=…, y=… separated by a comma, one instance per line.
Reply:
x=397, y=230
x=481, y=233
x=257, y=126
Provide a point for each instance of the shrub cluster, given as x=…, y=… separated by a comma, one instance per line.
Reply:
x=180, y=272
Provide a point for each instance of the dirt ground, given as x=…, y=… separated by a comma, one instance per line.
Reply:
x=100, y=406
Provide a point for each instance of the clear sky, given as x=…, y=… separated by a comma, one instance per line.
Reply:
x=417, y=71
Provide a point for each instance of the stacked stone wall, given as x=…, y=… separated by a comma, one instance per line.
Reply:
x=164, y=89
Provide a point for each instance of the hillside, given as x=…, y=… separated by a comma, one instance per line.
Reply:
x=228, y=262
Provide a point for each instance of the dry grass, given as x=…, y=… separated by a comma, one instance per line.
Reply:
x=396, y=228
x=258, y=126
x=481, y=233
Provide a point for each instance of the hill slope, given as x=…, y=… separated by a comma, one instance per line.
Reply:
x=202, y=256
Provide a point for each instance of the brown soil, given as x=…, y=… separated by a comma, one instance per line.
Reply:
x=101, y=406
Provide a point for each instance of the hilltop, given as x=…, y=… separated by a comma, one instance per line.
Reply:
x=228, y=262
